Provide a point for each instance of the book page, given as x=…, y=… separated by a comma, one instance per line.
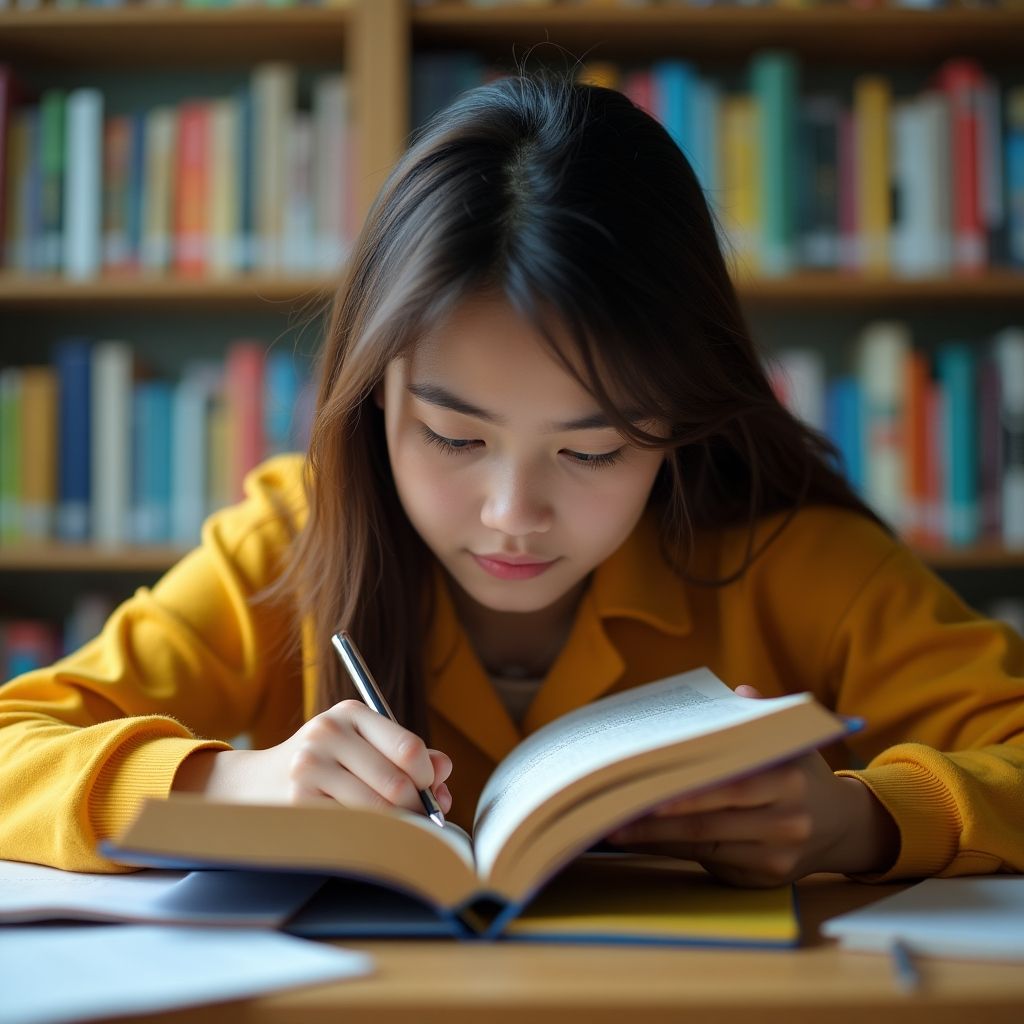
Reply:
x=592, y=737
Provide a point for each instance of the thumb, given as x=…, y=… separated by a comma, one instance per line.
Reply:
x=748, y=691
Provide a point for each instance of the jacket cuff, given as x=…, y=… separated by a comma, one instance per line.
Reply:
x=144, y=767
x=925, y=814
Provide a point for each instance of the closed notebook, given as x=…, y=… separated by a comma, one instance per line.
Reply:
x=554, y=796
x=976, y=918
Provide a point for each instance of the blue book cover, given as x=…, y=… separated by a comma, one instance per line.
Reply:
x=675, y=86
x=1015, y=195
x=72, y=360
x=282, y=385
x=955, y=367
x=151, y=470
x=844, y=427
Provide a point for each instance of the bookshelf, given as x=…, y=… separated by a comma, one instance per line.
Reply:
x=376, y=41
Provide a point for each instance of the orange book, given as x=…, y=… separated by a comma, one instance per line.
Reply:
x=191, y=196
x=38, y=451
x=243, y=384
x=915, y=433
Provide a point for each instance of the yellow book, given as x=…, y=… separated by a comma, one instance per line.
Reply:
x=600, y=72
x=223, y=211
x=739, y=206
x=871, y=102
x=38, y=451
x=556, y=794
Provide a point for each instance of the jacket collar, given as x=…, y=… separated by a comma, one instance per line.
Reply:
x=635, y=582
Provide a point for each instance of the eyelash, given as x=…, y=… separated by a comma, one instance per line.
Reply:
x=452, y=446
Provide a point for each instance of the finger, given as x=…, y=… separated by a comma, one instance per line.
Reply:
x=765, y=825
x=442, y=766
x=443, y=797
x=330, y=780
x=401, y=747
x=783, y=784
x=743, y=690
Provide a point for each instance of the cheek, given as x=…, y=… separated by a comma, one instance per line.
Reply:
x=430, y=494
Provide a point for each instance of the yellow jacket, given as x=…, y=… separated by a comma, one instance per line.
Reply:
x=834, y=606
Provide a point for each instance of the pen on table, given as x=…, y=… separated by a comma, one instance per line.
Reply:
x=372, y=697
x=907, y=977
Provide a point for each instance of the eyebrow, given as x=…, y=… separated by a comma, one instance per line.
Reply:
x=440, y=396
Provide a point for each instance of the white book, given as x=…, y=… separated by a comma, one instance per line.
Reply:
x=330, y=170
x=274, y=87
x=974, y=918
x=223, y=214
x=803, y=373
x=1008, y=349
x=190, y=502
x=921, y=231
x=110, y=482
x=299, y=227
x=882, y=351
x=83, y=184
x=161, y=126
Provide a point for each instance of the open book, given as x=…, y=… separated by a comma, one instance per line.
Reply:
x=557, y=793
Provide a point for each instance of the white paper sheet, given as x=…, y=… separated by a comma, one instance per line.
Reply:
x=53, y=974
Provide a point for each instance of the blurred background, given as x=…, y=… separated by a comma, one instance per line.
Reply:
x=180, y=181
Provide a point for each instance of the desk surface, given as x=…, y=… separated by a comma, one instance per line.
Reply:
x=459, y=982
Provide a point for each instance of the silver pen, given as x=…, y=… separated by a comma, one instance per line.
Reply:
x=370, y=692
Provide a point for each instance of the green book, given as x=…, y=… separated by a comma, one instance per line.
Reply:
x=51, y=177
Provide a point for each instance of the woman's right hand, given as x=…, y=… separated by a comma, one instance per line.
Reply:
x=348, y=754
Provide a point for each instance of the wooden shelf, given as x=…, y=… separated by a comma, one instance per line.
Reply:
x=40, y=557
x=41, y=293
x=818, y=34
x=172, y=37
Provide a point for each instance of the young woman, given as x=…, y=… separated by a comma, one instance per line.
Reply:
x=545, y=465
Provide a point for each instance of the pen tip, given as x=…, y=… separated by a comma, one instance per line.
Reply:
x=437, y=817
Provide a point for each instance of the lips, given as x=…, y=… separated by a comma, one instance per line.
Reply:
x=513, y=567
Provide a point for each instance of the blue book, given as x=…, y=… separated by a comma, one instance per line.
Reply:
x=282, y=385
x=676, y=86
x=955, y=371
x=72, y=359
x=1015, y=194
x=136, y=177
x=844, y=427
x=151, y=470
x=245, y=256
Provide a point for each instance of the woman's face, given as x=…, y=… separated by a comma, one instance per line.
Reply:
x=504, y=464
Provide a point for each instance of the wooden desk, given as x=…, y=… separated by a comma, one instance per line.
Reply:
x=456, y=983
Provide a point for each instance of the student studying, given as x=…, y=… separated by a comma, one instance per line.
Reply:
x=546, y=467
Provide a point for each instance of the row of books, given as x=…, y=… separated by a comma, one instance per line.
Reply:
x=790, y=4
x=933, y=440
x=94, y=450
x=874, y=183
x=27, y=643
x=205, y=188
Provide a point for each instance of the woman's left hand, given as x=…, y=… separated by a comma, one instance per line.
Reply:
x=773, y=827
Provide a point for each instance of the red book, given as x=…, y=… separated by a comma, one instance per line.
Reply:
x=243, y=384
x=639, y=87
x=963, y=81
x=191, y=190
x=117, y=155
x=915, y=433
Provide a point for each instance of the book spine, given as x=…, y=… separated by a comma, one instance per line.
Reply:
x=83, y=184
x=281, y=395
x=161, y=130
x=674, y=88
x=193, y=397
x=38, y=452
x=222, y=215
x=274, y=93
x=136, y=189
x=955, y=370
x=740, y=211
x=844, y=427
x=882, y=352
x=72, y=359
x=151, y=477
x=191, y=205
x=299, y=225
x=10, y=454
x=6, y=157
x=1008, y=352
x=818, y=207
x=53, y=133
x=1015, y=175
x=111, y=406
x=330, y=177
x=116, y=161
x=774, y=83
x=990, y=449
x=871, y=119
x=915, y=434
x=849, y=253
x=243, y=382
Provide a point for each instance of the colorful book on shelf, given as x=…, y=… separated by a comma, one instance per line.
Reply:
x=818, y=174
x=111, y=437
x=244, y=400
x=916, y=440
x=10, y=454
x=72, y=359
x=151, y=469
x=194, y=395
x=38, y=452
x=83, y=184
x=990, y=450
x=52, y=140
x=739, y=203
x=557, y=793
x=191, y=191
x=222, y=217
x=1014, y=160
x=160, y=130
x=27, y=644
x=871, y=112
x=844, y=427
x=1008, y=352
x=956, y=375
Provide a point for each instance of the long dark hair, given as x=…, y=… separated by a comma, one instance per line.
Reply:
x=580, y=209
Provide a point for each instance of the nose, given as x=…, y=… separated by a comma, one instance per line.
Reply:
x=516, y=503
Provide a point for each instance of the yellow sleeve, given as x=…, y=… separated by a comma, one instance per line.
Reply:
x=178, y=667
x=941, y=690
